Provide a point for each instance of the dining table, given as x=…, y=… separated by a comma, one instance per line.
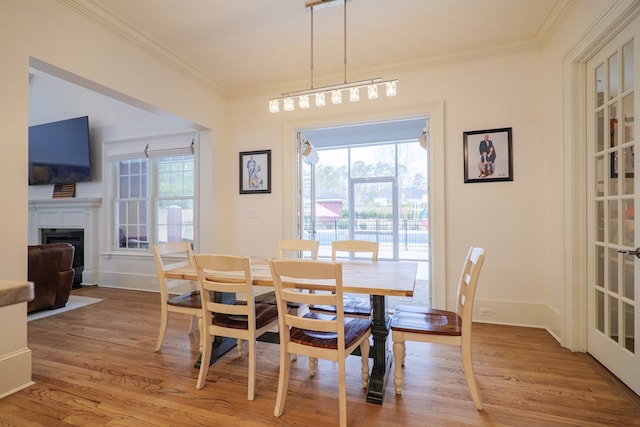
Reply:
x=379, y=279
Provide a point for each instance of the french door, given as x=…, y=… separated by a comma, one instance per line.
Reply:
x=613, y=311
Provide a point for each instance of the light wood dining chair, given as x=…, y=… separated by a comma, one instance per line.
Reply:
x=170, y=256
x=244, y=319
x=298, y=248
x=354, y=305
x=292, y=248
x=422, y=324
x=315, y=335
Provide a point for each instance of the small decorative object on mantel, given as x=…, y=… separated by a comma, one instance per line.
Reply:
x=488, y=155
x=255, y=172
x=64, y=190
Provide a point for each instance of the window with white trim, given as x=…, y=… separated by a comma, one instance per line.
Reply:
x=153, y=195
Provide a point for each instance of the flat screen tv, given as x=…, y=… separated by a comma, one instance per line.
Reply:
x=59, y=152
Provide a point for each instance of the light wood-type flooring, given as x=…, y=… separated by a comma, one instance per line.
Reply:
x=95, y=366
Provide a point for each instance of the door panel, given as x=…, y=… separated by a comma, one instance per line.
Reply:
x=614, y=232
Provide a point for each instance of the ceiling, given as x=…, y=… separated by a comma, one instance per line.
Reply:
x=246, y=46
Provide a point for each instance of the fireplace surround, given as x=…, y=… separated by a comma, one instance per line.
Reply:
x=64, y=219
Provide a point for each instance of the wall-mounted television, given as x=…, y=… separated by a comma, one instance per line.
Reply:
x=59, y=152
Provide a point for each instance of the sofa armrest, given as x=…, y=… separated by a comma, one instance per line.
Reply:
x=65, y=283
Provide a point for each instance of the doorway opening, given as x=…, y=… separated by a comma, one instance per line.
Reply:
x=370, y=182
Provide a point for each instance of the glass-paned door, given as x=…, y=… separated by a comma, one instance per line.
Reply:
x=614, y=232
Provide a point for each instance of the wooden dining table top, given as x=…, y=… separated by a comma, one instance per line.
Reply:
x=385, y=278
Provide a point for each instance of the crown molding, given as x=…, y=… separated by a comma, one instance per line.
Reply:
x=107, y=20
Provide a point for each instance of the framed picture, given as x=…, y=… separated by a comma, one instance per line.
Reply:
x=255, y=172
x=488, y=155
x=621, y=158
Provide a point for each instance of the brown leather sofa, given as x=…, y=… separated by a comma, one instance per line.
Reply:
x=50, y=270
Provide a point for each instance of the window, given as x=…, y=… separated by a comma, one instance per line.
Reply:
x=153, y=197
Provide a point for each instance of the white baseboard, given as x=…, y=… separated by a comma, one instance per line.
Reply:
x=517, y=313
x=15, y=371
x=136, y=282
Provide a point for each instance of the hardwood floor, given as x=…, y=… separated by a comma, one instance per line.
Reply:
x=96, y=366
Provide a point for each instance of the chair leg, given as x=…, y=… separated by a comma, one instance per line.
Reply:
x=342, y=393
x=283, y=381
x=467, y=363
x=365, y=346
x=164, y=318
x=240, y=347
x=313, y=366
x=252, y=369
x=193, y=323
x=398, y=360
x=207, y=343
x=200, y=331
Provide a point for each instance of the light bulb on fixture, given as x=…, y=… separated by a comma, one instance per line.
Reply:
x=303, y=101
x=320, y=101
x=274, y=106
x=372, y=91
x=354, y=94
x=391, y=88
x=336, y=96
x=288, y=104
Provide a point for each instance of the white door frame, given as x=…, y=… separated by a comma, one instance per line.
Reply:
x=436, y=176
x=574, y=326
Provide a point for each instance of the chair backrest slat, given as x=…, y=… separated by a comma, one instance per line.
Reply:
x=353, y=247
x=171, y=255
x=468, y=283
x=295, y=248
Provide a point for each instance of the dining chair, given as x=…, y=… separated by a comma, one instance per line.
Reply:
x=243, y=319
x=169, y=256
x=292, y=248
x=422, y=324
x=316, y=335
x=354, y=305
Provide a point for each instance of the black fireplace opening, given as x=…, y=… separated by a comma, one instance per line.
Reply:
x=76, y=238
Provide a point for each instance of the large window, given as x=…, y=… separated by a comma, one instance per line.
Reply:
x=374, y=192
x=153, y=199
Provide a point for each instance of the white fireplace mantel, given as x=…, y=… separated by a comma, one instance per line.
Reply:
x=72, y=213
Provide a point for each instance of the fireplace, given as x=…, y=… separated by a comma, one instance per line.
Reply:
x=70, y=215
x=76, y=238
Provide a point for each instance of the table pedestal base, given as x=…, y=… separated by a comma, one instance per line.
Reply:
x=381, y=360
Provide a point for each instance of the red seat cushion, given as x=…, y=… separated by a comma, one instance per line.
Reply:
x=407, y=318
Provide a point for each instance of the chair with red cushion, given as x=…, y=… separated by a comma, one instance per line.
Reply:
x=170, y=256
x=314, y=335
x=422, y=324
x=240, y=317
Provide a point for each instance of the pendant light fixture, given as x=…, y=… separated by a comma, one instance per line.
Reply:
x=334, y=93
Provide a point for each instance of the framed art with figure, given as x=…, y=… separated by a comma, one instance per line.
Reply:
x=488, y=155
x=255, y=172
